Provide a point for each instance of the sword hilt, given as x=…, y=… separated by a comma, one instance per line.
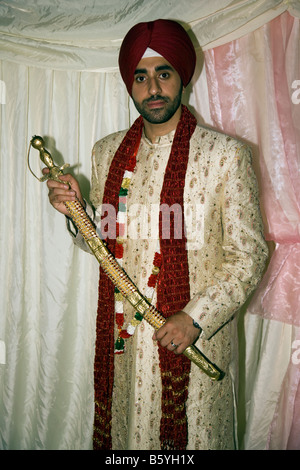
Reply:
x=55, y=172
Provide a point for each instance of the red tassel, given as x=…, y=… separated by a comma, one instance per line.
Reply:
x=124, y=334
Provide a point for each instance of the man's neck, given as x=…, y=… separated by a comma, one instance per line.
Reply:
x=152, y=131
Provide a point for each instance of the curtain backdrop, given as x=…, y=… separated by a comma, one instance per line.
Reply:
x=87, y=36
x=251, y=84
x=59, y=79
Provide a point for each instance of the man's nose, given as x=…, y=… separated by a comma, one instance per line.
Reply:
x=154, y=86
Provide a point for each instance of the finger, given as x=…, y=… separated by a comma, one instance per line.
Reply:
x=67, y=178
x=72, y=184
x=175, y=348
x=162, y=331
x=173, y=345
x=62, y=195
x=57, y=195
x=52, y=184
x=165, y=340
x=60, y=189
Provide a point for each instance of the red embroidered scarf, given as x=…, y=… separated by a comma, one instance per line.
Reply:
x=173, y=293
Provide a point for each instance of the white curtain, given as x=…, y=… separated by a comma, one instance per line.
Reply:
x=59, y=79
x=48, y=287
x=72, y=35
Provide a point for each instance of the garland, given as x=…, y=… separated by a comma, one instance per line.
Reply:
x=119, y=253
x=130, y=330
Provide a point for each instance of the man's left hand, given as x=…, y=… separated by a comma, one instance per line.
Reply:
x=177, y=333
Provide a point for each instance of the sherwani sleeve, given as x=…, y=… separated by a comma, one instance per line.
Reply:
x=244, y=250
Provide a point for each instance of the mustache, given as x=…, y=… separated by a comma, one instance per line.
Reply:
x=156, y=98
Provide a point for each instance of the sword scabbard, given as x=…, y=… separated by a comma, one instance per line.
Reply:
x=114, y=271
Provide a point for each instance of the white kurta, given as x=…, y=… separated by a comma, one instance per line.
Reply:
x=226, y=255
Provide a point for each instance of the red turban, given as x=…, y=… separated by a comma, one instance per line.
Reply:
x=166, y=37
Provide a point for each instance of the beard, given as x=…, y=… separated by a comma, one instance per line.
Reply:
x=160, y=115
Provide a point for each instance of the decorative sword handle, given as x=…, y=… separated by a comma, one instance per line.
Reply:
x=111, y=267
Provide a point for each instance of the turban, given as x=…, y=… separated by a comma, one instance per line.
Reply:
x=168, y=38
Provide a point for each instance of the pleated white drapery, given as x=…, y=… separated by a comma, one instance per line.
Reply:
x=88, y=36
x=59, y=79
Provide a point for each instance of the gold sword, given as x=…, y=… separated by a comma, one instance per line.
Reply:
x=109, y=264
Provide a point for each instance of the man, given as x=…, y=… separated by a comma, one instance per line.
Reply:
x=197, y=257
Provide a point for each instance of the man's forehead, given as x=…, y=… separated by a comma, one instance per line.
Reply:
x=153, y=63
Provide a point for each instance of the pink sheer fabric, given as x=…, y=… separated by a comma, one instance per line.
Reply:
x=251, y=83
x=279, y=294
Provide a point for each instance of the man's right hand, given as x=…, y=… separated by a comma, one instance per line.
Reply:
x=67, y=190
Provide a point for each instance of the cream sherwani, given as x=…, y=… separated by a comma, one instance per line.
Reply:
x=226, y=255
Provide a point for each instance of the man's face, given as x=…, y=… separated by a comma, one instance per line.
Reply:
x=156, y=89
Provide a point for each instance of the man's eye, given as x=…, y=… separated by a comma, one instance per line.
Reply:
x=164, y=75
x=139, y=78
